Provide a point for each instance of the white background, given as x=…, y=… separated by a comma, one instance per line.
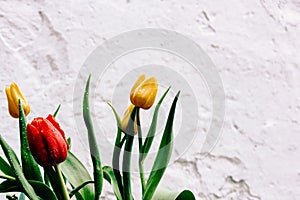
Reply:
x=253, y=43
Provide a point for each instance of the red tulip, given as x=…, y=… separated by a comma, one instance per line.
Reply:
x=47, y=141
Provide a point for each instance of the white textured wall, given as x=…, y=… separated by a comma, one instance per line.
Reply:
x=253, y=43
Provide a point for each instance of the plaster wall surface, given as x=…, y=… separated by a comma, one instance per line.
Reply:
x=253, y=43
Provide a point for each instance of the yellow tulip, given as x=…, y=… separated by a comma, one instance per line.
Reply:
x=143, y=92
x=126, y=119
x=13, y=94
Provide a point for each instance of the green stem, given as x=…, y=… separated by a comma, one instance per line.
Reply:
x=139, y=130
x=140, y=135
x=4, y=176
x=127, y=156
x=52, y=175
x=126, y=167
x=62, y=183
x=116, y=161
x=142, y=177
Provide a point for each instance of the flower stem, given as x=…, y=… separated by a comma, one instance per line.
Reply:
x=63, y=187
x=4, y=176
x=140, y=136
x=116, y=161
x=127, y=156
x=126, y=167
x=142, y=178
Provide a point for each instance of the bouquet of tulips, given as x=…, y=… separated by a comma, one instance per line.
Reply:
x=47, y=169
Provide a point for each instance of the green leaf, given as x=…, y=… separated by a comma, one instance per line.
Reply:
x=46, y=178
x=56, y=111
x=169, y=195
x=42, y=190
x=69, y=142
x=79, y=187
x=9, y=186
x=163, y=156
x=118, y=119
x=109, y=175
x=94, y=151
x=117, y=151
x=144, y=148
x=14, y=163
x=76, y=174
x=5, y=167
x=152, y=129
x=30, y=167
x=54, y=180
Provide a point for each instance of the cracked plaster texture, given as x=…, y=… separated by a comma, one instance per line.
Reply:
x=254, y=45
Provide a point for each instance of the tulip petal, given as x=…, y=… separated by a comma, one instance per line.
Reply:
x=16, y=95
x=137, y=83
x=36, y=144
x=150, y=100
x=126, y=118
x=47, y=141
x=19, y=95
x=144, y=95
x=13, y=94
x=11, y=105
x=56, y=125
x=55, y=143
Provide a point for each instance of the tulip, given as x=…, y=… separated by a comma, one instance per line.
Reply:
x=47, y=141
x=143, y=92
x=126, y=119
x=13, y=94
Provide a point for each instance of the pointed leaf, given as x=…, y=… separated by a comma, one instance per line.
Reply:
x=54, y=181
x=94, y=151
x=69, y=142
x=169, y=195
x=42, y=190
x=79, y=187
x=152, y=129
x=109, y=175
x=163, y=156
x=9, y=186
x=76, y=174
x=117, y=151
x=5, y=168
x=30, y=167
x=46, y=178
x=56, y=111
x=14, y=163
x=118, y=119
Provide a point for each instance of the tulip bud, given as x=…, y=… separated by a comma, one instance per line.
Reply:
x=13, y=94
x=143, y=92
x=126, y=119
x=47, y=141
